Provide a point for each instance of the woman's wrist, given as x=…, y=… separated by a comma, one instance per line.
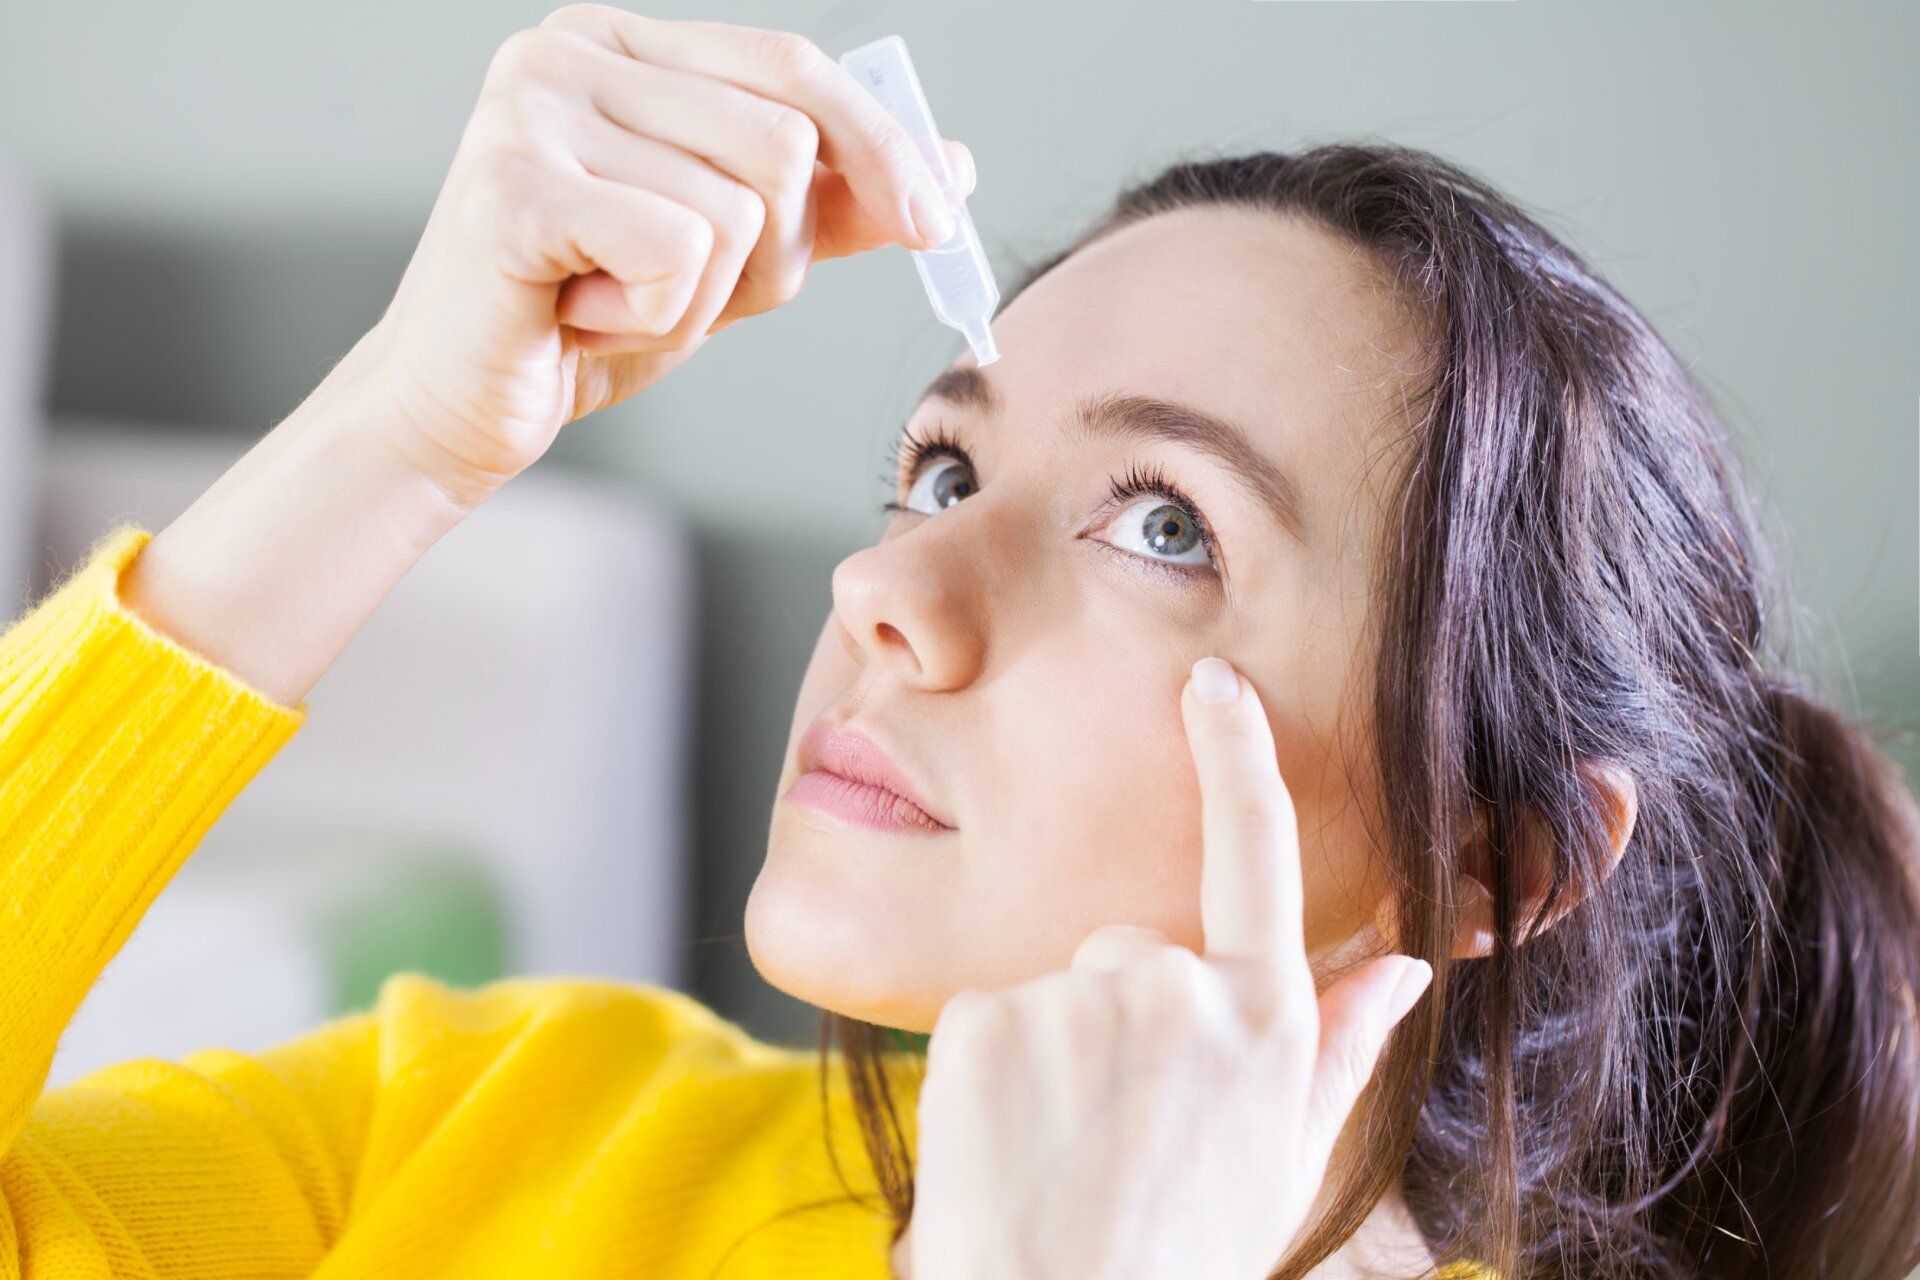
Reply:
x=275, y=567
x=381, y=390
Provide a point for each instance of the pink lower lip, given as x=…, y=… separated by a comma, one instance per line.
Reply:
x=859, y=803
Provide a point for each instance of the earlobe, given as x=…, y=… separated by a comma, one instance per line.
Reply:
x=1617, y=804
x=1473, y=930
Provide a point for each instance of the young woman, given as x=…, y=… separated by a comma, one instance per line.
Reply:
x=1329, y=467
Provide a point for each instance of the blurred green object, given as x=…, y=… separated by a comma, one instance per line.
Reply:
x=437, y=914
x=911, y=1041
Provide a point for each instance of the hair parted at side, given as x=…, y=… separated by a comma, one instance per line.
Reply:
x=1709, y=1066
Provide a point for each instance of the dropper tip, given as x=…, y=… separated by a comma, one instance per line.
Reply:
x=980, y=338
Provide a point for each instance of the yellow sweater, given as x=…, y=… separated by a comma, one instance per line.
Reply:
x=532, y=1128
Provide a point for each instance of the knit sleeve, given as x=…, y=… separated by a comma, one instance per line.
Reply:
x=118, y=749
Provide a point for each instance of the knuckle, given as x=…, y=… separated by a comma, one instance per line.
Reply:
x=522, y=56
x=501, y=168
x=524, y=227
x=888, y=146
x=1094, y=948
x=958, y=1006
x=1289, y=1024
x=1170, y=996
x=776, y=288
x=790, y=56
x=516, y=112
x=1236, y=729
x=1180, y=967
x=1182, y=982
x=1258, y=817
x=1351, y=1060
x=1108, y=934
x=502, y=192
x=967, y=1018
x=794, y=139
x=788, y=283
x=1115, y=943
x=688, y=239
x=575, y=17
x=742, y=216
x=508, y=176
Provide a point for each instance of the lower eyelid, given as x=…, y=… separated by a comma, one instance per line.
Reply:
x=1188, y=575
x=1185, y=575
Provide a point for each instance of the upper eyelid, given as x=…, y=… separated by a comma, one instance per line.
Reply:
x=912, y=449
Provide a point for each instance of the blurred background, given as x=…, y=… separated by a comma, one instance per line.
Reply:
x=553, y=749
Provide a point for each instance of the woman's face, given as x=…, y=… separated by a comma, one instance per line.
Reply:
x=1180, y=453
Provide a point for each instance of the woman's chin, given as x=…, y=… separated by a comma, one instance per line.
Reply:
x=827, y=927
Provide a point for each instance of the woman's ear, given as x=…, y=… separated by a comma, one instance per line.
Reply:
x=1616, y=803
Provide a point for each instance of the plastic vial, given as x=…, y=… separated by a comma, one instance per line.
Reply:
x=958, y=280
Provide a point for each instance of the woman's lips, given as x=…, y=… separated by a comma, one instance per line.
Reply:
x=848, y=777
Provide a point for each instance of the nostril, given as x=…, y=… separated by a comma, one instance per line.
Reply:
x=887, y=636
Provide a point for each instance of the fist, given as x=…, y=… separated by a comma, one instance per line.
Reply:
x=624, y=188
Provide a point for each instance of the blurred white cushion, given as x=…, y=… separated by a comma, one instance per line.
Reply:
x=523, y=693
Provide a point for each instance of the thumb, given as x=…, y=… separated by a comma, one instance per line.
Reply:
x=1357, y=1014
x=843, y=227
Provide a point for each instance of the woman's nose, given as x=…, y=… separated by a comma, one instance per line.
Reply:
x=916, y=605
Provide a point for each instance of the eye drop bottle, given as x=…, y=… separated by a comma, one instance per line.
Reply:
x=958, y=280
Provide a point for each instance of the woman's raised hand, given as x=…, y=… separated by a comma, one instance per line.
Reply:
x=1151, y=1111
x=627, y=186
x=624, y=188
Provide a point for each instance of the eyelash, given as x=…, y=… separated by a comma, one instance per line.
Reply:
x=912, y=450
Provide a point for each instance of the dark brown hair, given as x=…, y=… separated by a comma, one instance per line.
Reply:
x=1710, y=1066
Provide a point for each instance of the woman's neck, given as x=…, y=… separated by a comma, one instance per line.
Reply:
x=1388, y=1246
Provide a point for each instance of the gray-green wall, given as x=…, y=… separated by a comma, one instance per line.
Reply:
x=238, y=187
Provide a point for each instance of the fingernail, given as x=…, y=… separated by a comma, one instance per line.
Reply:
x=653, y=305
x=965, y=175
x=1414, y=977
x=931, y=215
x=1214, y=680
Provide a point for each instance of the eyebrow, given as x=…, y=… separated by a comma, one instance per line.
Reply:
x=1150, y=418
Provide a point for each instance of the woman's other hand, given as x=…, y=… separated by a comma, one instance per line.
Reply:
x=1150, y=1111
x=625, y=187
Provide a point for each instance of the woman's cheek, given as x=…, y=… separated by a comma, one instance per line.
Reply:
x=830, y=670
x=1109, y=815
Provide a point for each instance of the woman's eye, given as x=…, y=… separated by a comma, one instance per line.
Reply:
x=1160, y=530
x=940, y=484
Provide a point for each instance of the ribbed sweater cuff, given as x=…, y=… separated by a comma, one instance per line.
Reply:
x=119, y=747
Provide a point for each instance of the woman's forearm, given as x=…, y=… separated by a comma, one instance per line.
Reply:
x=272, y=570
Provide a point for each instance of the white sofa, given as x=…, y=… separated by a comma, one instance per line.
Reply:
x=492, y=776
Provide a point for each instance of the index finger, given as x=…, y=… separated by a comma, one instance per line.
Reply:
x=858, y=138
x=1250, y=895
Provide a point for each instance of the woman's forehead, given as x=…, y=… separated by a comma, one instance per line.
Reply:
x=1271, y=321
